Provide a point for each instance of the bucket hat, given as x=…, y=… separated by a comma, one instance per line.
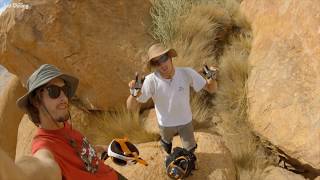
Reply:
x=43, y=75
x=158, y=49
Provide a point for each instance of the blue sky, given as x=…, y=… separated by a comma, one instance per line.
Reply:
x=4, y=4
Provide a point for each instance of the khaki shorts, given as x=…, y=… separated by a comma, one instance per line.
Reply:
x=185, y=132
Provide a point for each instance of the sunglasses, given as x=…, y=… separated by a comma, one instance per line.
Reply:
x=162, y=59
x=55, y=91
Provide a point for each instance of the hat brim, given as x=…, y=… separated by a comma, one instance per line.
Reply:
x=70, y=81
x=171, y=52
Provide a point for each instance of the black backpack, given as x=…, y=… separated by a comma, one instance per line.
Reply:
x=180, y=163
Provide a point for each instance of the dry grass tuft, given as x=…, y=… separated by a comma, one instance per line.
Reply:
x=164, y=14
x=102, y=127
x=202, y=111
x=193, y=29
x=196, y=29
x=233, y=76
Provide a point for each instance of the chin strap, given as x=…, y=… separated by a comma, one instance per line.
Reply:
x=51, y=117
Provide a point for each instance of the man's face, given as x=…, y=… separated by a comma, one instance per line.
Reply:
x=166, y=67
x=55, y=100
x=163, y=64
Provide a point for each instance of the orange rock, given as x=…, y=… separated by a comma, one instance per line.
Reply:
x=100, y=43
x=272, y=173
x=283, y=87
x=10, y=115
x=26, y=133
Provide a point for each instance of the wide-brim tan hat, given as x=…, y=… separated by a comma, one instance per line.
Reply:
x=43, y=75
x=158, y=49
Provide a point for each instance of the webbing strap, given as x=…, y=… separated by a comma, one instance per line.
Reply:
x=127, y=151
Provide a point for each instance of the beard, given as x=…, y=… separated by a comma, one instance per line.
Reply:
x=64, y=118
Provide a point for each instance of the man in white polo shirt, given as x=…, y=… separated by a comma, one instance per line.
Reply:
x=169, y=88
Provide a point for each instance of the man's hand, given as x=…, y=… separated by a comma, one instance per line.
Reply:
x=211, y=76
x=136, y=85
x=210, y=73
x=102, y=151
x=41, y=165
x=135, y=91
x=100, y=148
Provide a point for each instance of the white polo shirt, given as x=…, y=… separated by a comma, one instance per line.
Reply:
x=172, y=96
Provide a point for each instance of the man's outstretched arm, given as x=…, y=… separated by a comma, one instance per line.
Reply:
x=132, y=104
x=37, y=167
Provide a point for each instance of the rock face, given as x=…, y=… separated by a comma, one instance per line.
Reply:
x=283, y=87
x=214, y=160
x=272, y=173
x=100, y=43
x=26, y=133
x=10, y=115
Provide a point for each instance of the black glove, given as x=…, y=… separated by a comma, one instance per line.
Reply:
x=209, y=73
x=138, y=85
x=104, y=155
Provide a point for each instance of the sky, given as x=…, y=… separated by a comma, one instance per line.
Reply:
x=4, y=4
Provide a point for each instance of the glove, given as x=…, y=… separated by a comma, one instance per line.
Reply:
x=137, y=86
x=104, y=155
x=210, y=73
